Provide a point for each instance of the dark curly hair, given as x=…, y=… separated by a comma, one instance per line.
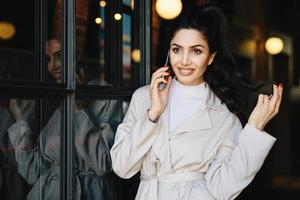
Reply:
x=222, y=75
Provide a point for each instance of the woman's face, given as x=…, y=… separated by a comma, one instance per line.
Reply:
x=54, y=63
x=189, y=56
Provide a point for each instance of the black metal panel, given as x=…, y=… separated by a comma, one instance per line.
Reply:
x=145, y=8
x=32, y=90
x=68, y=68
x=113, y=44
x=102, y=92
x=40, y=35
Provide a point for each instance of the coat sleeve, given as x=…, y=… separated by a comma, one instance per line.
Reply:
x=239, y=158
x=28, y=155
x=93, y=143
x=134, y=137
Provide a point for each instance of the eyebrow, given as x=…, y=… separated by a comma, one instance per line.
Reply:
x=197, y=45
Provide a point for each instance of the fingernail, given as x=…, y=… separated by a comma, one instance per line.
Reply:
x=166, y=66
x=281, y=85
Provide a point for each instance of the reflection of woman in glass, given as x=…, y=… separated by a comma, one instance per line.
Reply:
x=40, y=163
x=186, y=139
x=10, y=179
x=53, y=59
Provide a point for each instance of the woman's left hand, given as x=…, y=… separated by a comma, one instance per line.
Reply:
x=266, y=108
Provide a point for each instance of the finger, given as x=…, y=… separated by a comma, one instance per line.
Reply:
x=260, y=100
x=163, y=75
x=265, y=104
x=158, y=76
x=266, y=99
x=161, y=69
x=157, y=82
x=275, y=96
x=280, y=92
x=12, y=103
x=169, y=83
x=268, y=108
x=78, y=79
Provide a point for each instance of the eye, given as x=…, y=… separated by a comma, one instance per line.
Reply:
x=176, y=50
x=197, y=51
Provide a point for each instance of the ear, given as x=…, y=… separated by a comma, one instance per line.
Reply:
x=211, y=57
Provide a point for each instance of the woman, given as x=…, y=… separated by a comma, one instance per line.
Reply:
x=39, y=162
x=10, y=179
x=186, y=140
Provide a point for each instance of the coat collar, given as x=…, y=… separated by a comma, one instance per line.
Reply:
x=202, y=118
x=212, y=101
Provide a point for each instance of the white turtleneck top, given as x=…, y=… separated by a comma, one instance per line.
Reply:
x=184, y=101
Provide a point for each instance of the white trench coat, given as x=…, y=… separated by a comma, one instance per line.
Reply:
x=208, y=156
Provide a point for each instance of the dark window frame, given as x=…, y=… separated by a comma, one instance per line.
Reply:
x=68, y=91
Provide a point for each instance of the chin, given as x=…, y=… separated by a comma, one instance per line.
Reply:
x=188, y=80
x=184, y=80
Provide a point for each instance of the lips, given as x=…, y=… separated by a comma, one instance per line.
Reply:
x=57, y=74
x=185, y=71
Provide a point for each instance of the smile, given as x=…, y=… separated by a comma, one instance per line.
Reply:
x=57, y=75
x=185, y=72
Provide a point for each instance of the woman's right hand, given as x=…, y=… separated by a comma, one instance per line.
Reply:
x=22, y=109
x=159, y=98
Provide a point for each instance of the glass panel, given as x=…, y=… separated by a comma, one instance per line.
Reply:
x=95, y=125
x=127, y=68
x=29, y=155
x=90, y=42
x=92, y=66
x=53, y=72
x=19, y=40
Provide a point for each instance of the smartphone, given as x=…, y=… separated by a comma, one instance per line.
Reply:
x=162, y=85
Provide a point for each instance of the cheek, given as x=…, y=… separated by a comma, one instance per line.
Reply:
x=201, y=69
x=201, y=63
x=174, y=60
x=49, y=67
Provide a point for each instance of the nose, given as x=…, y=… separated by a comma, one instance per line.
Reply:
x=185, y=60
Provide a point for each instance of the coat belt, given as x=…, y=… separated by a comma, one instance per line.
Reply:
x=187, y=177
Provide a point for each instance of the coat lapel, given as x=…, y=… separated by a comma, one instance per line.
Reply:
x=197, y=121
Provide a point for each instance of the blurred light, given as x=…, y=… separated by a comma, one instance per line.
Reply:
x=168, y=9
x=7, y=30
x=247, y=47
x=136, y=55
x=274, y=45
x=132, y=4
x=102, y=3
x=118, y=16
x=98, y=20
